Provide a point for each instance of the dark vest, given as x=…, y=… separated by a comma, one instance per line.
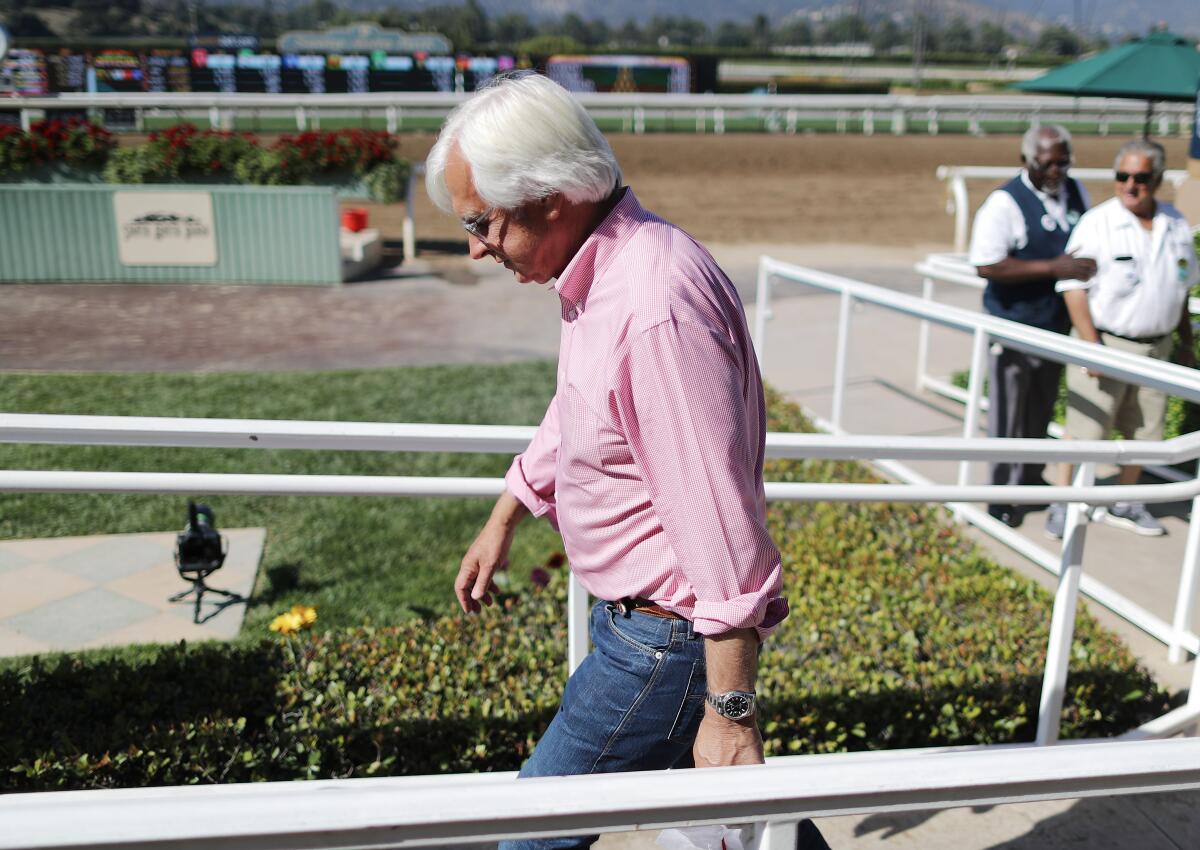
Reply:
x=1035, y=302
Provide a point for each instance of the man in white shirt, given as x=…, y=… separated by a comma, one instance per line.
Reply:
x=1018, y=244
x=1146, y=264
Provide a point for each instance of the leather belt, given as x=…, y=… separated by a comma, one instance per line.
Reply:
x=628, y=605
x=1141, y=340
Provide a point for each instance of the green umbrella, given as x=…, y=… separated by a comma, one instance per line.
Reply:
x=1161, y=66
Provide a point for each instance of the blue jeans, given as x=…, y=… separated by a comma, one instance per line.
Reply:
x=635, y=703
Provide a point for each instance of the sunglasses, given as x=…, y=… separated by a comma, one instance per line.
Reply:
x=1142, y=178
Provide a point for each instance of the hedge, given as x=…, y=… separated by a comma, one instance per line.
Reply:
x=901, y=635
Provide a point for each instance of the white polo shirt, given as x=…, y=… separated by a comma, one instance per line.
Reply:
x=999, y=227
x=1142, y=277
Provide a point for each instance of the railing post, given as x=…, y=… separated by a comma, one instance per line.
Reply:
x=979, y=350
x=762, y=312
x=639, y=120
x=927, y=293
x=839, y=369
x=699, y=120
x=214, y=117
x=899, y=122
x=577, y=624
x=962, y=209
x=1062, y=622
x=1186, y=596
x=393, y=124
x=301, y=119
x=790, y=127
x=408, y=232
x=776, y=835
x=869, y=122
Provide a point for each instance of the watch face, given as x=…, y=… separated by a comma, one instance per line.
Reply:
x=736, y=706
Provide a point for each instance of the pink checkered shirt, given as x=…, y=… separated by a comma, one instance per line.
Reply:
x=649, y=459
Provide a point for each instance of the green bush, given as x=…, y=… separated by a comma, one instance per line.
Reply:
x=901, y=635
x=72, y=142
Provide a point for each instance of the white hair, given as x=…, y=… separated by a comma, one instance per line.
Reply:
x=1153, y=151
x=525, y=138
x=1054, y=134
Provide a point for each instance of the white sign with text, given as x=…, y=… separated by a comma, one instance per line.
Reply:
x=165, y=228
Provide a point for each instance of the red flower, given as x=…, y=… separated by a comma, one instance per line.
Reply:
x=539, y=577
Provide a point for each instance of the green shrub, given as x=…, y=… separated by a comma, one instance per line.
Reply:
x=901, y=634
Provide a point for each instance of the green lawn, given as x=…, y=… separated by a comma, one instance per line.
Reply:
x=358, y=559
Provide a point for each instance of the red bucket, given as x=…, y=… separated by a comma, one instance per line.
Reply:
x=354, y=219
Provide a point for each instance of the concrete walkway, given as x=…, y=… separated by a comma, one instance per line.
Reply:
x=69, y=593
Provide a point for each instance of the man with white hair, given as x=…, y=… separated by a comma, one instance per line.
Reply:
x=649, y=459
x=1138, y=297
x=1018, y=244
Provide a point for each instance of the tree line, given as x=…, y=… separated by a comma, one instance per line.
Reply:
x=471, y=29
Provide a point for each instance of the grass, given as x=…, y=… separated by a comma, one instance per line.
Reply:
x=358, y=559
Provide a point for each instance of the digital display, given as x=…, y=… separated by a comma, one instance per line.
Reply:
x=23, y=74
x=68, y=71
x=167, y=71
x=118, y=71
x=663, y=74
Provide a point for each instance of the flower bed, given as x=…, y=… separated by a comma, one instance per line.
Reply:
x=901, y=635
x=357, y=162
x=50, y=145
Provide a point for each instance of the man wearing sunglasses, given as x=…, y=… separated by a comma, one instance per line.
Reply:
x=1146, y=264
x=1019, y=244
x=649, y=459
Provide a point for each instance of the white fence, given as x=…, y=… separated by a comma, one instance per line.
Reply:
x=441, y=811
x=1179, y=635
x=425, y=811
x=781, y=112
x=958, y=203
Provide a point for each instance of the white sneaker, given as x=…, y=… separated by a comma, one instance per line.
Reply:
x=1134, y=517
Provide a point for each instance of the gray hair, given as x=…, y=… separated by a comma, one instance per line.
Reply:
x=1153, y=151
x=525, y=138
x=1055, y=134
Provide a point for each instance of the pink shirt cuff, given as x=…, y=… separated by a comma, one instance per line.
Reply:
x=745, y=612
x=516, y=483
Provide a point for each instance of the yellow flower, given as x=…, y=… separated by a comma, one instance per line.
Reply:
x=307, y=613
x=300, y=617
x=287, y=623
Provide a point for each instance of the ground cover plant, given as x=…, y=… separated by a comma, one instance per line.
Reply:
x=902, y=634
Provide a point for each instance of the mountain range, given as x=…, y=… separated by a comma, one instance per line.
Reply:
x=1113, y=18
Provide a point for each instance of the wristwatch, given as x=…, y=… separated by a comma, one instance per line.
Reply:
x=733, y=705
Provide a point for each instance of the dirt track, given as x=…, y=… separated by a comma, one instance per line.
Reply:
x=878, y=190
x=840, y=192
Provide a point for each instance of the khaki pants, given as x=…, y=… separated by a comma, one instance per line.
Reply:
x=1098, y=406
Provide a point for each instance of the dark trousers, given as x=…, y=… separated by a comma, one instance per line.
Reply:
x=1021, y=391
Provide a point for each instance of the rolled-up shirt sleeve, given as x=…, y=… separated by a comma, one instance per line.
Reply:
x=531, y=476
x=1084, y=243
x=683, y=405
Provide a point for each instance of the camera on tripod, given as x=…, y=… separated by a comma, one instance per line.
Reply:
x=200, y=550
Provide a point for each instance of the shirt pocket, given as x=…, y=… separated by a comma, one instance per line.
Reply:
x=1121, y=277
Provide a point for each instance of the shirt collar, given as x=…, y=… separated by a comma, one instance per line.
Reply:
x=597, y=252
x=1043, y=195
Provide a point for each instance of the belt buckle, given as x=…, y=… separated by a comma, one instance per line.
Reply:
x=623, y=607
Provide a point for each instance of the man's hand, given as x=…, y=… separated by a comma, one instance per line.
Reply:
x=474, y=586
x=1070, y=267
x=721, y=742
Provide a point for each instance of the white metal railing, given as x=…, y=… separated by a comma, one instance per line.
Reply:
x=429, y=811
x=958, y=204
x=782, y=112
x=425, y=811
x=1178, y=635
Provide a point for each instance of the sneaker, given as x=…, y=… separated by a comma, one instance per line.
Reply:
x=1134, y=517
x=1010, y=515
x=1056, y=520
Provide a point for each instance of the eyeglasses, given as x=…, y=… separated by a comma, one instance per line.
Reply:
x=1142, y=178
x=479, y=225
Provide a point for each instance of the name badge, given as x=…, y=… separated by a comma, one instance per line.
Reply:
x=1048, y=222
